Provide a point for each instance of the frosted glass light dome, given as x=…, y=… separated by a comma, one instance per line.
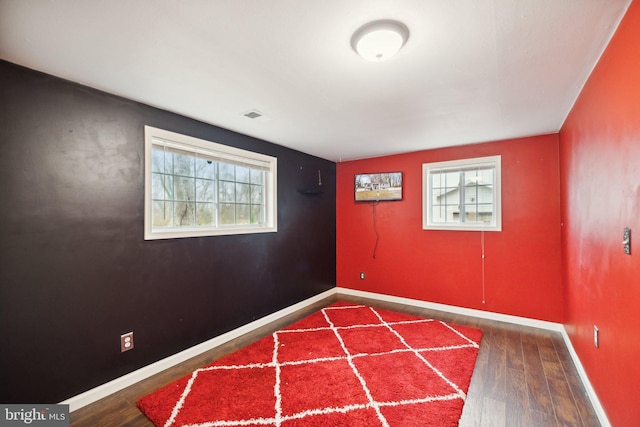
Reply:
x=379, y=40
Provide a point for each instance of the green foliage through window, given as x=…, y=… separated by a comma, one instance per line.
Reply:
x=193, y=190
x=196, y=188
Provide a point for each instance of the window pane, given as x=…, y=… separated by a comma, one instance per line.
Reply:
x=436, y=180
x=439, y=213
x=227, y=213
x=256, y=194
x=485, y=194
x=452, y=213
x=183, y=165
x=157, y=160
x=227, y=191
x=257, y=214
x=184, y=214
x=257, y=176
x=205, y=214
x=437, y=197
x=486, y=176
x=449, y=196
x=168, y=163
x=205, y=169
x=470, y=213
x=205, y=190
x=157, y=187
x=451, y=179
x=243, y=214
x=243, y=193
x=162, y=215
x=452, y=195
x=226, y=172
x=168, y=187
x=184, y=189
x=485, y=213
x=242, y=174
x=446, y=213
x=470, y=193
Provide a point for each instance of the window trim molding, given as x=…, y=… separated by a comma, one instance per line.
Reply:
x=194, y=145
x=427, y=224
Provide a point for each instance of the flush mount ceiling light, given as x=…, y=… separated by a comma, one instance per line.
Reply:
x=379, y=40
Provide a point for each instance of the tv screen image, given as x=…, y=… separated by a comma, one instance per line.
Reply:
x=378, y=187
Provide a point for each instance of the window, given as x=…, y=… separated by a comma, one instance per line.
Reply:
x=195, y=188
x=462, y=195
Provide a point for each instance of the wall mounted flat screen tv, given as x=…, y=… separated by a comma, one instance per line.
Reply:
x=378, y=187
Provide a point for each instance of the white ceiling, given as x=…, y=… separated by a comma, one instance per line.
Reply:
x=471, y=71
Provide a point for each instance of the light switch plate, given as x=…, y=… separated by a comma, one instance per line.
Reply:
x=626, y=241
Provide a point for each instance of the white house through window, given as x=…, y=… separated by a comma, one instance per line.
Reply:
x=462, y=194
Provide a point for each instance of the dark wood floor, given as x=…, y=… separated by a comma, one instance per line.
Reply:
x=523, y=377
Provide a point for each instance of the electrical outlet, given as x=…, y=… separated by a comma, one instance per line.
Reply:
x=126, y=342
x=362, y=275
x=596, y=336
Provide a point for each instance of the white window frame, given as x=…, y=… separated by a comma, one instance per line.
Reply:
x=154, y=136
x=460, y=165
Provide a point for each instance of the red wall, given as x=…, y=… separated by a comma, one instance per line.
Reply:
x=600, y=184
x=522, y=264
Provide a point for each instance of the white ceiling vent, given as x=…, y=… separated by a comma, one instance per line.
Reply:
x=256, y=115
x=253, y=114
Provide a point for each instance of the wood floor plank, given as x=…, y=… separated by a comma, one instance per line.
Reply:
x=472, y=410
x=550, y=360
x=567, y=414
x=539, y=419
x=493, y=413
x=517, y=401
x=530, y=337
x=538, y=391
x=513, y=348
x=496, y=365
x=583, y=403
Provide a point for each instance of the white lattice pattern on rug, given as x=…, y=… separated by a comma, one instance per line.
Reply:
x=366, y=365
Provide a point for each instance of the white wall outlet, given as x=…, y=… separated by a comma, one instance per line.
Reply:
x=362, y=275
x=126, y=342
x=596, y=336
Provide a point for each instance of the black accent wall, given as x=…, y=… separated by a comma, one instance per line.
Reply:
x=75, y=270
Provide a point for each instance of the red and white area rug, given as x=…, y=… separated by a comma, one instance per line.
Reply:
x=346, y=365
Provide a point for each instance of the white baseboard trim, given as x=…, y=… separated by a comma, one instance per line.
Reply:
x=602, y=416
x=104, y=390
x=557, y=327
x=524, y=321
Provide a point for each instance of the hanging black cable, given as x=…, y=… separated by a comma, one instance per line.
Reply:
x=375, y=227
